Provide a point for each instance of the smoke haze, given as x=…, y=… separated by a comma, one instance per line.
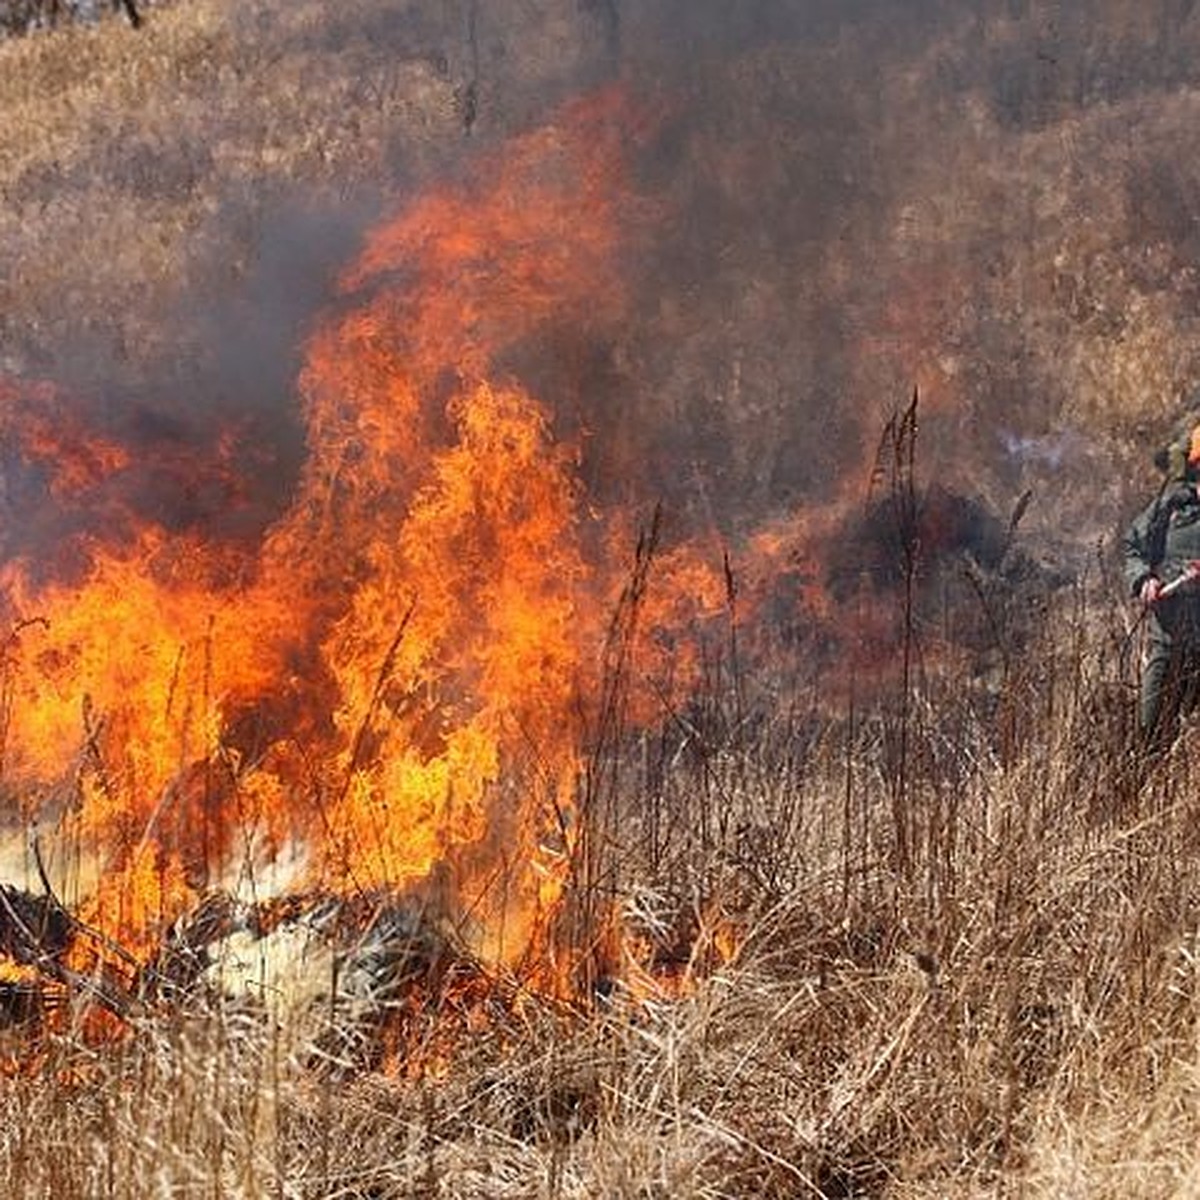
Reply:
x=991, y=202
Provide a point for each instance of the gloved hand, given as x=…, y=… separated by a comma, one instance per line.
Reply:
x=1150, y=589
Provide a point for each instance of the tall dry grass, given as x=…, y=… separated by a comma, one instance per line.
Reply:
x=1010, y=1010
x=963, y=970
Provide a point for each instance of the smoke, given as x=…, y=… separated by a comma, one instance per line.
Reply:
x=991, y=201
x=405, y=317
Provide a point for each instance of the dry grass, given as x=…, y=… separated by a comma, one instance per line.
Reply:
x=126, y=158
x=968, y=973
x=1016, y=1010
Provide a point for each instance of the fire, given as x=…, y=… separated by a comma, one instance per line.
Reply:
x=37, y=418
x=391, y=687
x=487, y=658
x=389, y=679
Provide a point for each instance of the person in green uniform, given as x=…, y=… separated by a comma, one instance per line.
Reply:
x=1161, y=552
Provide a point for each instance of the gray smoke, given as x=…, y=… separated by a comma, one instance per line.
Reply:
x=857, y=195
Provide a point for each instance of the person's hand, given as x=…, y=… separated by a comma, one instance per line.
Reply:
x=1150, y=590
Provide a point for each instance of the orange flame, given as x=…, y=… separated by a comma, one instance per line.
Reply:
x=389, y=678
x=392, y=680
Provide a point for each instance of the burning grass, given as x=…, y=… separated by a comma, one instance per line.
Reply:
x=411, y=843
x=776, y=1009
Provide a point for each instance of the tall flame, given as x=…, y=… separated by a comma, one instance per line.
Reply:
x=389, y=678
x=392, y=678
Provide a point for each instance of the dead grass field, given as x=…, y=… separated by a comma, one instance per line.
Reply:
x=1015, y=1012
x=964, y=971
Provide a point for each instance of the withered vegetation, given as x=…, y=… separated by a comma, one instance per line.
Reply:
x=937, y=936
x=811, y=998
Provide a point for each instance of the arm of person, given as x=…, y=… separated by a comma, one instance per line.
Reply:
x=1142, y=551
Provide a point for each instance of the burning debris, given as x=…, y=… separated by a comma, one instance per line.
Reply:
x=349, y=979
x=355, y=983
x=33, y=929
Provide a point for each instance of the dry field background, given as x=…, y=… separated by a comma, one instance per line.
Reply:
x=935, y=940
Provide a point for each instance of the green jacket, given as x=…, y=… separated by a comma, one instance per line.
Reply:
x=1164, y=538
